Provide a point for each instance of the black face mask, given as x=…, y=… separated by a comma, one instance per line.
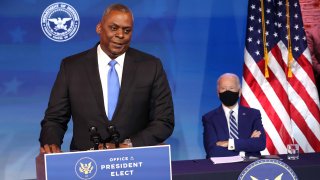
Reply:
x=229, y=98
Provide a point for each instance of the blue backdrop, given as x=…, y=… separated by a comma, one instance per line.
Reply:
x=196, y=41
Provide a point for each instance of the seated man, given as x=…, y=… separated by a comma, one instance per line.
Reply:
x=232, y=129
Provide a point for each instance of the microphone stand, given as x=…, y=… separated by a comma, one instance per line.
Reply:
x=115, y=135
x=95, y=137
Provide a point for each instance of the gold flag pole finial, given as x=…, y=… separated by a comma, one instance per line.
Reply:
x=264, y=38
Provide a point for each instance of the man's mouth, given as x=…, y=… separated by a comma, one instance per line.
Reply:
x=118, y=45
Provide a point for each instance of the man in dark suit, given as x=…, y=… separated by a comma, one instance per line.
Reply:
x=144, y=109
x=231, y=129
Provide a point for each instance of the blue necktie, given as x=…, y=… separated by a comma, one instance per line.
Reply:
x=233, y=126
x=113, y=88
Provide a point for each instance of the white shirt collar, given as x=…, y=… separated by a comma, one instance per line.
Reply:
x=226, y=109
x=103, y=55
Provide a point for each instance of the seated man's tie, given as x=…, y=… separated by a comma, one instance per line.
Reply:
x=233, y=126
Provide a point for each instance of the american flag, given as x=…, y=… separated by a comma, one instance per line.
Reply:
x=278, y=78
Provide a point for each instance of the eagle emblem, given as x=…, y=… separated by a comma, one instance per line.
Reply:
x=86, y=168
x=279, y=177
x=272, y=169
x=60, y=23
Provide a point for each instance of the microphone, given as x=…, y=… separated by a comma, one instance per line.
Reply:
x=115, y=135
x=95, y=137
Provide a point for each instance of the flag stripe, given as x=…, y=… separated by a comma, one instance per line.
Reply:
x=270, y=145
x=306, y=130
x=305, y=63
x=301, y=140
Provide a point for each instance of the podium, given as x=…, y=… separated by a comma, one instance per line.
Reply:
x=151, y=162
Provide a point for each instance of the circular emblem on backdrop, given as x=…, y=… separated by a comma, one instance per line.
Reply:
x=60, y=22
x=267, y=169
x=86, y=168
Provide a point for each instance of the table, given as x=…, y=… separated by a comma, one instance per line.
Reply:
x=307, y=167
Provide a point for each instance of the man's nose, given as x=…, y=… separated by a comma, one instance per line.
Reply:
x=120, y=33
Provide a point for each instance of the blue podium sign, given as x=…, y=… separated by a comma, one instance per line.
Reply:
x=152, y=162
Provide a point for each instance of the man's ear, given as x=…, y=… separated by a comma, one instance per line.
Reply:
x=98, y=28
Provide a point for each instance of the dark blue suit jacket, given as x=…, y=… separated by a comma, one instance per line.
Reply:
x=216, y=129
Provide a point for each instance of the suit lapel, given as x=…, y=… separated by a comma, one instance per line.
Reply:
x=241, y=119
x=128, y=76
x=223, y=120
x=92, y=70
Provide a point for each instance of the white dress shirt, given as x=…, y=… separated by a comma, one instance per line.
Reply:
x=103, y=60
x=235, y=109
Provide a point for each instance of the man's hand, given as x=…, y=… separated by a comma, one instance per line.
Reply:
x=113, y=146
x=255, y=134
x=222, y=143
x=48, y=149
